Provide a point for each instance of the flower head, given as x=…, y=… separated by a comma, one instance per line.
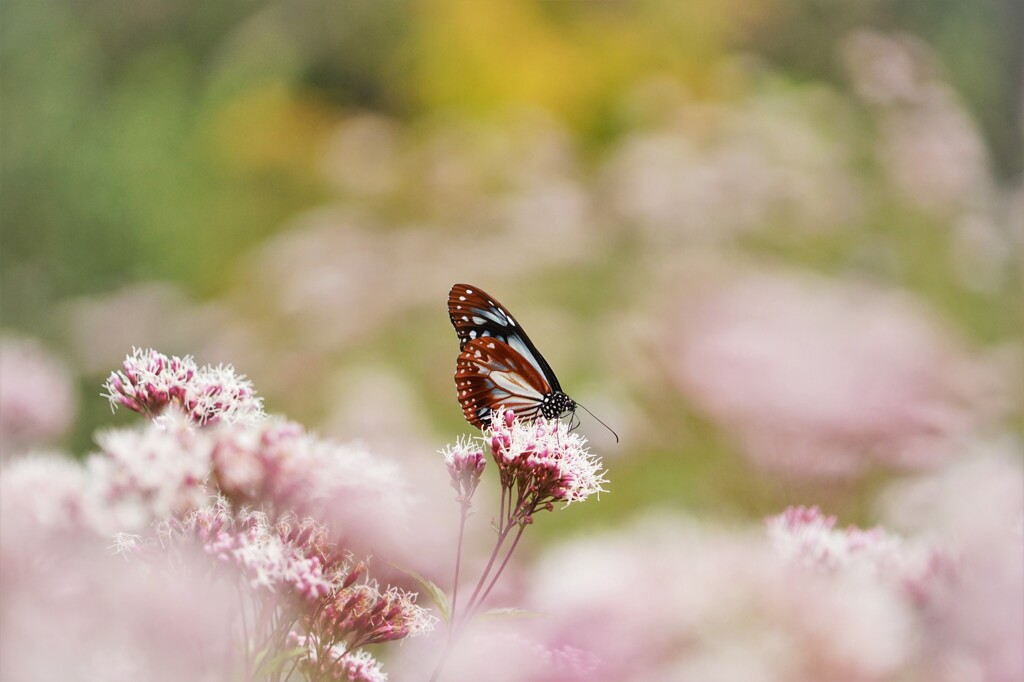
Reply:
x=151, y=381
x=362, y=614
x=546, y=461
x=465, y=462
x=339, y=663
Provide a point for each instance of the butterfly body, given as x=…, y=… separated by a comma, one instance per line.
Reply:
x=498, y=365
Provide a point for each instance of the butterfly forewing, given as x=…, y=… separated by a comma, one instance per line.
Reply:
x=489, y=373
x=475, y=314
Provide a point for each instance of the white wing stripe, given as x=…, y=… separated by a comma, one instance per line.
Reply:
x=512, y=382
x=517, y=344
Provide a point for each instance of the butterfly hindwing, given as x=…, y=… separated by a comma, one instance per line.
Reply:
x=490, y=373
x=475, y=314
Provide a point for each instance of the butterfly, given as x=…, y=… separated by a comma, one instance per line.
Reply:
x=498, y=365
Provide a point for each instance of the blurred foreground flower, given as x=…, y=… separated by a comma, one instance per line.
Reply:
x=214, y=497
x=975, y=508
x=809, y=537
x=667, y=599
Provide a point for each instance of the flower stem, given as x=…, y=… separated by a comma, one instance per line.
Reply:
x=487, y=571
x=458, y=563
x=497, y=574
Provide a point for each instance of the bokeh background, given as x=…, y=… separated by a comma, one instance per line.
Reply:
x=774, y=244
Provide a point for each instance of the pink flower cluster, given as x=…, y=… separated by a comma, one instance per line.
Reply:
x=292, y=566
x=289, y=555
x=363, y=614
x=150, y=381
x=539, y=463
x=214, y=489
x=336, y=662
x=809, y=537
x=543, y=462
x=465, y=463
x=363, y=498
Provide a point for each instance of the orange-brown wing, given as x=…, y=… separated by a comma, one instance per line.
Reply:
x=489, y=374
x=475, y=314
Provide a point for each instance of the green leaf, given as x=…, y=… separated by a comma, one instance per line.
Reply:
x=277, y=661
x=436, y=594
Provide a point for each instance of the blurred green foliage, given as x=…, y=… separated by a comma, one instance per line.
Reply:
x=160, y=139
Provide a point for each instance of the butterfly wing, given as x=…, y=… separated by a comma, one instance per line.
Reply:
x=490, y=373
x=475, y=314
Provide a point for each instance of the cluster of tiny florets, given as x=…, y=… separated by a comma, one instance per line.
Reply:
x=336, y=662
x=289, y=556
x=150, y=381
x=361, y=614
x=543, y=460
x=465, y=462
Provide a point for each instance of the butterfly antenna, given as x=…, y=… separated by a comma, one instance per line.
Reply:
x=600, y=422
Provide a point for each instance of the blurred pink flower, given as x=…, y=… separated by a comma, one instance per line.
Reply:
x=667, y=600
x=809, y=537
x=43, y=496
x=502, y=652
x=298, y=577
x=888, y=69
x=73, y=611
x=153, y=472
x=151, y=381
x=930, y=147
x=819, y=379
x=365, y=500
x=975, y=507
x=934, y=154
x=37, y=399
x=714, y=171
